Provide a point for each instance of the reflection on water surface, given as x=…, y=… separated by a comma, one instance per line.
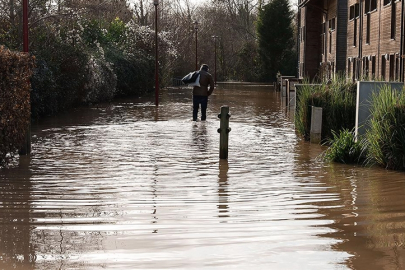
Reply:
x=131, y=186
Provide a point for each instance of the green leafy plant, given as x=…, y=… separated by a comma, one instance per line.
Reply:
x=344, y=148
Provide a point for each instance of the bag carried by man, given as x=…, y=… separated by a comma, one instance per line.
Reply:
x=192, y=79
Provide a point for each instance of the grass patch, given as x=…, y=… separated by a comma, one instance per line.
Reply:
x=385, y=133
x=338, y=100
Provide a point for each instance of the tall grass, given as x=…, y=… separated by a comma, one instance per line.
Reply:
x=338, y=100
x=385, y=133
x=344, y=148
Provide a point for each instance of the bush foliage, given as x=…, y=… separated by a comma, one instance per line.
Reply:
x=384, y=141
x=92, y=62
x=15, y=72
x=338, y=100
x=344, y=148
x=385, y=133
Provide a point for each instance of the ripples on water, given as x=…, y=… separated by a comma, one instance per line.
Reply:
x=131, y=186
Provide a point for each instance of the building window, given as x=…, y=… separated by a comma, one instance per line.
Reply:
x=383, y=67
x=355, y=32
x=323, y=38
x=392, y=67
x=354, y=14
x=354, y=69
x=373, y=67
x=369, y=6
x=332, y=24
x=387, y=2
x=332, y=27
x=351, y=12
x=397, y=67
x=366, y=67
x=393, y=20
x=368, y=25
x=330, y=42
x=373, y=5
x=349, y=65
x=354, y=11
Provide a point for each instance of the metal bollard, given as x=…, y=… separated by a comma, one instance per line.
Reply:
x=224, y=131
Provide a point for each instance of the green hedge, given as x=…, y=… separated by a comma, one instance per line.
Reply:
x=15, y=72
x=59, y=80
x=94, y=68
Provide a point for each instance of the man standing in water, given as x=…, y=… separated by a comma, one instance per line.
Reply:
x=201, y=93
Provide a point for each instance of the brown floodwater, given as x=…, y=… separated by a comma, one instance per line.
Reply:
x=127, y=185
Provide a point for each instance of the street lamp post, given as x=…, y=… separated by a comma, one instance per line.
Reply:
x=156, y=3
x=196, y=46
x=215, y=58
x=25, y=25
x=26, y=148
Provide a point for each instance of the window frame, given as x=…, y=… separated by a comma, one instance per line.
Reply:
x=368, y=28
x=351, y=13
x=393, y=26
x=370, y=6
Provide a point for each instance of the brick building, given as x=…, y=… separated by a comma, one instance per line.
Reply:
x=362, y=38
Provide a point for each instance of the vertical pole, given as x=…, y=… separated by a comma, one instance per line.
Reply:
x=156, y=57
x=26, y=148
x=25, y=25
x=224, y=132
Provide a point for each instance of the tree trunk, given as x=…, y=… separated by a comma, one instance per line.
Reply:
x=12, y=14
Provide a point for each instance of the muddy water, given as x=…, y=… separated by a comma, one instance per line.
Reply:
x=130, y=186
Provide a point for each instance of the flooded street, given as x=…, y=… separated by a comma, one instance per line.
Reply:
x=127, y=185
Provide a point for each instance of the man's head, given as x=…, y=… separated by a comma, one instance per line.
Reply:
x=204, y=67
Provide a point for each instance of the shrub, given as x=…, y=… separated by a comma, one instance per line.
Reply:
x=385, y=133
x=134, y=72
x=344, y=148
x=88, y=61
x=101, y=81
x=59, y=82
x=43, y=94
x=338, y=101
x=15, y=72
x=93, y=33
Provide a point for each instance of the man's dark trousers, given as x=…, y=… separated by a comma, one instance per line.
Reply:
x=197, y=100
